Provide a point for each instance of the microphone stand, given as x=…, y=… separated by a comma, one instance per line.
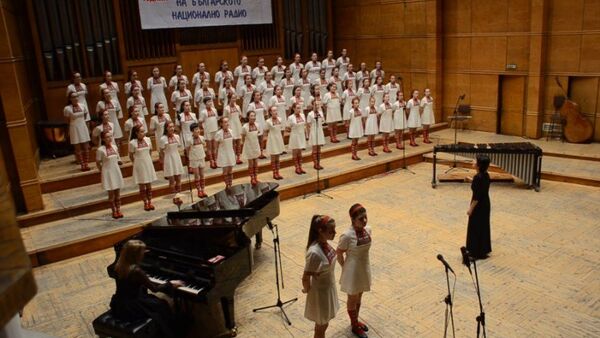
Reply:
x=187, y=157
x=448, y=301
x=404, y=167
x=318, y=191
x=278, y=271
x=481, y=318
x=455, y=114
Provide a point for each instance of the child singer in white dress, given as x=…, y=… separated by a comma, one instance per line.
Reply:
x=316, y=137
x=342, y=63
x=196, y=154
x=371, y=126
x=297, y=140
x=328, y=64
x=223, y=74
x=278, y=71
x=313, y=67
x=114, y=110
x=157, y=85
x=136, y=99
x=287, y=84
x=157, y=122
x=333, y=113
x=318, y=279
x=140, y=150
x=233, y=113
x=378, y=90
x=258, y=73
x=364, y=94
x=202, y=93
x=280, y=103
x=225, y=154
x=185, y=119
x=134, y=120
x=386, y=122
x=79, y=135
x=414, y=116
x=356, y=127
x=182, y=94
x=267, y=88
x=399, y=120
x=353, y=255
x=107, y=162
x=251, y=132
x=260, y=110
x=240, y=72
x=427, y=116
x=275, y=144
x=296, y=67
x=347, y=98
x=392, y=88
x=170, y=159
x=305, y=83
x=209, y=119
x=246, y=92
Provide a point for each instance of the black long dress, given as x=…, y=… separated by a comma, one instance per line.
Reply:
x=479, y=242
x=132, y=301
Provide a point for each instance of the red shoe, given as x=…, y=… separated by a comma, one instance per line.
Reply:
x=298, y=171
x=359, y=332
x=238, y=161
x=119, y=214
x=372, y=153
x=363, y=326
x=115, y=215
x=279, y=177
x=201, y=194
x=386, y=149
x=399, y=146
x=275, y=177
x=150, y=206
x=355, y=157
x=146, y=207
x=85, y=167
x=213, y=164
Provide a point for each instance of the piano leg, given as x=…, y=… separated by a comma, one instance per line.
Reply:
x=229, y=314
x=259, y=239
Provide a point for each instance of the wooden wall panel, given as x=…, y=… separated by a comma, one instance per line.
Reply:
x=456, y=16
x=518, y=16
x=518, y=52
x=563, y=53
x=488, y=53
x=565, y=15
x=489, y=16
x=392, y=18
x=590, y=53
x=591, y=15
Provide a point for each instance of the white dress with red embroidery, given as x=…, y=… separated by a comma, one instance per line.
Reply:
x=298, y=135
x=184, y=122
x=267, y=89
x=143, y=168
x=399, y=115
x=130, y=123
x=378, y=92
x=78, y=131
x=288, y=88
x=225, y=155
x=209, y=117
x=240, y=72
x=251, y=148
x=334, y=110
x=427, y=117
x=356, y=272
x=197, y=153
x=260, y=109
x=114, y=112
x=386, y=123
x=315, y=134
x=139, y=102
x=158, y=125
x=281, y=104
x=275, y=145
x=112, y=178
x=235, y=124
x=322, y=302
x=348, y=95
x=392, y=89
x=371, y=127
x=172, y=159
x=414, y=116
x=113, y=89
x=178, y=97
x=157, y=89
x=81, y=91
x=356, y=125
x=278, y=73
x=97, y=132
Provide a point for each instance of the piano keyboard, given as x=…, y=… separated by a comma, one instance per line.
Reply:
x=188, y=288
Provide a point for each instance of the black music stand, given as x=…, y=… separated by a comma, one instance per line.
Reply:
x=317, y=192
x=278, y=271
x=481, y=317
x=455, y=116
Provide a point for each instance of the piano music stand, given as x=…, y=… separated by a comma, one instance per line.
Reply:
x=317, y=192
x=278, y=271
x=455, y=115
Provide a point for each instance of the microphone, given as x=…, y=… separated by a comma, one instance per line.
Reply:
x=465, y=258
x=441, y=259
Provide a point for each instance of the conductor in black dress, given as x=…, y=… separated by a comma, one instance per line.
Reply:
x=479, y=242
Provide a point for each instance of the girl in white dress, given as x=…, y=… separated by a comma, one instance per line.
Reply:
x=80, y=89
x=362, y=74
x=318, y=279
x=296, y=67
x=313, y=67
x=112, y=87
x=287, y=85
x=185, y=118
x=347, y=98
x=275, y=144
x=136, y=99
x=114, y=110
x=140, y=150
x=170, y=160
x=364, y=95
x=305, y=84
x=135, y=120
x=280, y=103
x=104, y=126
x=195, y=152
x=297, y=98
x=328, y=64
x=350, y=75
x=267, y=88
x=258, y=73
x=392, y=88
x=386, y=122
x=427, y=116
x=260, y=110
x=378, y=90
x=278, y=71
x=182, y=94
x=202, y=93
x=333, y=113
x=107, y=162
x=157, y=85
x=177, y=76
x=356, y=127
x=157, y=122
x=251, y=133
x=240, y=72
x=79, y=135
x=342, y=63
x=225, y=155
x=335, y=78
x=378, y=71
x=316, y=137
x=399, y=120
x=371, y=127
x=297, y=140
x=353, y=255
x=132, y=75
x=209, y=118
x=322, y=82
x=199, y=77
x=233, y=113
x=246, y=92
x=227, y=90
x=414, y=116
x=223, y=74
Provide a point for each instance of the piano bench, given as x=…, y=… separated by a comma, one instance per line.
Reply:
x=108, y=326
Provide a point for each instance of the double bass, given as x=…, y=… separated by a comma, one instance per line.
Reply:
x=577, y=129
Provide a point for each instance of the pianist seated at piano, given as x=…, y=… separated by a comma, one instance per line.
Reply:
x=131, y=301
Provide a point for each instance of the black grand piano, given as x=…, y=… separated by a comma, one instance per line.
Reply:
x=207, y=245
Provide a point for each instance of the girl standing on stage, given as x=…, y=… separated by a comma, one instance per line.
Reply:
x=225, y=155
x=104, y=126
x=79, y=135
x=136, y=99
x=287, y=84
x=414, y=116
x=328, y=64
x=305, y=83
x=297, y=140
x=298, y=98
x=278, y=70
x=362, y=74
x=157, y=122
x=353, y=255
x=209, y=119
x=182, y=94
x=169, y=158
x=347, y=98
x=378, y=90
x=335, y=78
x=318, y=279
x=114, y=111
x=233, y=113
x=260, y=109
x=350, y=75
x=112, y=87
x=267, y=88
x=296, y=67
x=392, y=88
x=195, y=152
x=427, y=116
x=132, y=75
x=251, y=133
x=378, y=71
x=157, y=85
x=371, y=127
x=177, y=77
x=185, y=119
x=331, y=101
x=323, y=83
x=221, y=75
x=134, y=120
x=342, y=63
x=227, y=90
x=313, y=67
x=240, y=72
x=479, y=242
x=246, y=93
x=280, y=103
x=399, y=120
x=199, y=77
x=140, y=149
x=204, y=92
x=80, y=89
x=316, y=137
x=258, y=73
x=275, y=144
x=364, y=95
x=107, y=162
x=386, y=122
x=356, y=127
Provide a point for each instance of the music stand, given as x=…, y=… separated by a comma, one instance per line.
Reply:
x=455, y=117
x=318, y=191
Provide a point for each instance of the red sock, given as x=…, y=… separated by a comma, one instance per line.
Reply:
x=353, y=314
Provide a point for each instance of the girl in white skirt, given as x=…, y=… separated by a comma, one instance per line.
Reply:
x=185, y=119
x=226, y=91
x=371, y=127
x=104, y=126
x=136, y=99
x=313, y=67
x=287, y=84
x=392, y=88
x=240, y=72
x=378, y=71
x=80, y=89
x=364, y=94
x=298, y=99
x=353, y=255
x=342, y=63
x=225, y=154
x=378, y=90
x=209, y=119
x=316, y=137
x=414, y=116
x=356, y=127
x=305, y=83
x=132, y=75
x=140, y=149
x=328, y=64
x=335, y=78
x=427, y=116
x=246, y=92
x=196, y=154
x=223, y=74
x=233, y=113
x=350, y=75
x=260, y=110
x=278, y=71
x=202, y=93
x=297, y=140
x=112, y=87
x=199, y=76
x=280, y=103
x=296, y=67
x=258, y=73
x=170, y=160
x=135, y=120
x=333, y=113
x=267, y=88
x=182, y=94
x=399, y=120
x=318, y=279
x=275, y=144
x=157, y=122
x=114, y=110
x=157, y=85
x=386, y=122
x=107, y=162
x=79, y=135
x=251, y=133
x=322, y=82
x=362, y=74
x=177, y=76
x=347, y=98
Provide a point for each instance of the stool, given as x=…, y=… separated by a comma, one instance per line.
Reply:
x=108, y=326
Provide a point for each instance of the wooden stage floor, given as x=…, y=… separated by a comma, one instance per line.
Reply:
x=542, y=279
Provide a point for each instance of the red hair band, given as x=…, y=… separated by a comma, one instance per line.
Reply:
x=355, y=209
x=324, y=220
